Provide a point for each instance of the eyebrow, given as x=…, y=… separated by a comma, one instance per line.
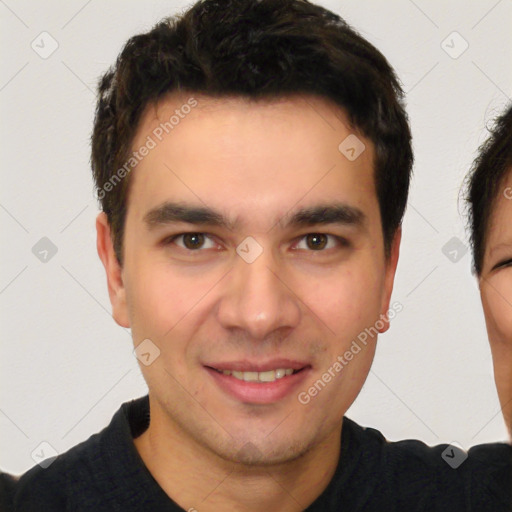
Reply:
x=335, y=213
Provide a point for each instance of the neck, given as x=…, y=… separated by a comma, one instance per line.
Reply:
x=195, y=477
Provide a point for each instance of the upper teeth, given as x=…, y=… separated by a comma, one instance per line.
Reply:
x=269, y=376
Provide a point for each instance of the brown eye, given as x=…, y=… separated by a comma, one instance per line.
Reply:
x=316, y=241
x=322, y=242
x=193, y=240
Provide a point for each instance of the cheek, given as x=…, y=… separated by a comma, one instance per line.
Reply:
x=347, y=301
x=497, y=302
x=160, y=297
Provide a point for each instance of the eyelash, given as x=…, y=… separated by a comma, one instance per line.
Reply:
x=503, y=264
x=342, y=242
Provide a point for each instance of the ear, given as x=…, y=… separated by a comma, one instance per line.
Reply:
x=116, y=289
x=389, y=279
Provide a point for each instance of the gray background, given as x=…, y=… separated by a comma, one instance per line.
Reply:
x=66, y=366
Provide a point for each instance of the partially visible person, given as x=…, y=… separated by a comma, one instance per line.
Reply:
x=489, y=196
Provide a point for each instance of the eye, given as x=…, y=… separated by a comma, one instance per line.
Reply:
x=312, y=241
x=502, y=264
x=320, y=241
x=192, y=241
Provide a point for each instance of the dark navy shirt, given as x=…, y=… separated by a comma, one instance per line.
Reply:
x=106, y=473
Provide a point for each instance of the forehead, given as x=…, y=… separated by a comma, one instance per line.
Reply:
x=257, y=158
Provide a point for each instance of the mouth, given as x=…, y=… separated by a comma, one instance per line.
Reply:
x=259, y=384
x=266, y=376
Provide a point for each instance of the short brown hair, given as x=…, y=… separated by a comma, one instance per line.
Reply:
x=255, y=49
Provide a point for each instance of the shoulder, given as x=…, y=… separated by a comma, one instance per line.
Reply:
x=441, y=477
x=400, y=462
x=405, y=475
x=491, y=477
x=46, y=487
x=36, y=490
x=81, y=477
x=7, y=488
x=410, y=452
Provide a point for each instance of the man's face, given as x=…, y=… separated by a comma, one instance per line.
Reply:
x=293, y=296
x=496, y=292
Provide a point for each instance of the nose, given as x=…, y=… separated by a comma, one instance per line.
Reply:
x=257, y=299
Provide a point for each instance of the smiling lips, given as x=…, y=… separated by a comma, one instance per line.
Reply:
x=268, y=372
x=259, y=383
x=268, y=376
